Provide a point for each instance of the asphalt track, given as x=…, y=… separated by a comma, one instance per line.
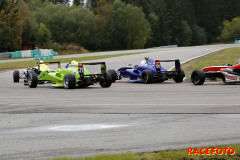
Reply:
x=53, y=122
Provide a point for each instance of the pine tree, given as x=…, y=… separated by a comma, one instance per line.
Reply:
x=162, y=33
x=91, y=4
x=1, y=4
x=10, y=37
x=82, y=3
x=27, y=22
x=76, y=2
x=103, y=17
x=208, y=15
x=144, y=4
x=59, y=1
x=43, y=34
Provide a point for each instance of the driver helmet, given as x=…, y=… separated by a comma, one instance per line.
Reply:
x=143, y=63
x=74, y=63
x=238, y=61
x=41, y=62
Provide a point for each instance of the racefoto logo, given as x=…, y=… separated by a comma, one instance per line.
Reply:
x=211, y=151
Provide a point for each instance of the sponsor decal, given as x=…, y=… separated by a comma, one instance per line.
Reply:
x=80, y=70
x=211, y=151
x=234, y=78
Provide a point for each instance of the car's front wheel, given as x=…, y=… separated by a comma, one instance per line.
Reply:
x=32, y=80
x=16, y=76
x=198, y=77
x=106, y=81
x=147, y=76
x=69, y=81
x=113, y=74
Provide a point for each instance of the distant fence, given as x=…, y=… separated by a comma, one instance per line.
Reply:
x=5, y=55
x=169, y=46
x=42, y=54
x=33, y=53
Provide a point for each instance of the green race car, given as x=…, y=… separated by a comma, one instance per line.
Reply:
x=74, y=75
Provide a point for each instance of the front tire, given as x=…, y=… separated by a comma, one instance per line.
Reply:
x=113, y=74
x=16, y=76
x=179, y=77
x=147, y=76
x=198, y=77
x=32, y=80
x=69, y=81
x=106, y=82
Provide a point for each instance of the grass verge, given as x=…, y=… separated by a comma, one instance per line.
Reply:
x=25, y=64
x=164, y=155
x=225, y=56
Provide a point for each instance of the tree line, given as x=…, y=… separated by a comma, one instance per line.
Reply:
x=117, y=24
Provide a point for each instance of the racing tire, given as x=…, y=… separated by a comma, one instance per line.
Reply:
x=147, y=76
x=113, y=74
x=106, y=81
x=32, y=80
x=198, y=77
x=69, y=81
x=16, y=76
x=179, y=77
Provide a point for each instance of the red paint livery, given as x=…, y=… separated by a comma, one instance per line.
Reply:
x=228, y=73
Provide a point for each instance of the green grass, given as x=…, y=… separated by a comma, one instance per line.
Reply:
x=225, y=56
x=14, y=58
x=25, y=64
x=163, y=155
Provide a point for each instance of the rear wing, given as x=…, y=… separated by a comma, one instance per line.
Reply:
x=177, y=63
x=81, y=69
x=58, y=62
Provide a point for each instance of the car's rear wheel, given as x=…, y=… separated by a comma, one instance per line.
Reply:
x=198, y=77
x=113, y=74
x=16, y=76
x=106, y=81
x=32, y=80
x=179, y=77
x=147, y=76
x=69, y=81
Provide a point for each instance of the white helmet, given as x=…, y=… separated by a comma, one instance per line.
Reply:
x=238, y=61
x=143, y=63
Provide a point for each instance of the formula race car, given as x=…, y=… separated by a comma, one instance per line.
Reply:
x=74, y=75
x=149, y=71
x=228, y=74
x=40, y=67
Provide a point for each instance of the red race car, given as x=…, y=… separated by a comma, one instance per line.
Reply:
x=228, y=73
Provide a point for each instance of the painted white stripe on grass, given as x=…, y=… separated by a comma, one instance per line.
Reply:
x=201, y=56
x=158, y=105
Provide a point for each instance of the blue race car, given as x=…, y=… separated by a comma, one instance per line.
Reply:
x=149, y=71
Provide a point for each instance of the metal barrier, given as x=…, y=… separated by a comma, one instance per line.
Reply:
x=5, y=55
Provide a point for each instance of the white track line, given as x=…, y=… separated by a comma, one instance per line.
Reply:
x=199, y=56
x=158, y=105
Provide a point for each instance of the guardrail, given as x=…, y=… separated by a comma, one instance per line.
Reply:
x=5, y=55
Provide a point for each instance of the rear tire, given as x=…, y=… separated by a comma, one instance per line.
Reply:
x=106, y=81
x=113, y=74
x=69, y=81
x=147, y=76
x=16, y=76
x=179, y=78
x=198, y=77
x=32, y=80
